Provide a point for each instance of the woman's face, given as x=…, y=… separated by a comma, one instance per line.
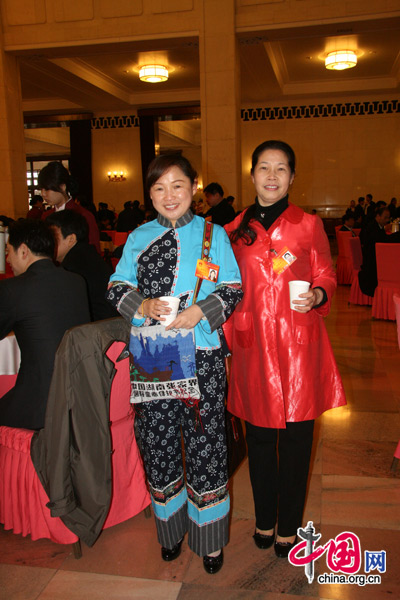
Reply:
x=172, y=194
x=55, y=198
x=272, y=176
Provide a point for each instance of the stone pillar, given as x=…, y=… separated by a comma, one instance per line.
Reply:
x=220, y=97
x=13, y=185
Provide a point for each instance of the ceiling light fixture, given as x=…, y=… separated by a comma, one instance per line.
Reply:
x=153, y=73
x=340, y=60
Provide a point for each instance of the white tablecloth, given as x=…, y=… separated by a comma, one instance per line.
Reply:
x=10, y=356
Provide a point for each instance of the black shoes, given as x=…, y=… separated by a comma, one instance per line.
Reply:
x=263, y=541
x=212, y=564
x=173, y=553
x=282, y=549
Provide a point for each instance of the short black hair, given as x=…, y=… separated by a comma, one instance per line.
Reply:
x=70, y=221
x=381, y=207
x=36, y=234
x=214, y=188
x=34, y=199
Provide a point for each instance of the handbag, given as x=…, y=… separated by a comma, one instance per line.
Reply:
x=235, y=439
x=235, y=442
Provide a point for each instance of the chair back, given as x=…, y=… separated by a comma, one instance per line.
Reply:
x=355, y=252
x=343, y=243
x=120, y=405
x=387, y=262
x=396, y=299
x=120, y=238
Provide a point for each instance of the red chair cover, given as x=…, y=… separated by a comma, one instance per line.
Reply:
x=387, y=261
x=344, y=266
x=22, y=497
x=120, y=238
x=6, y=383
x=130, y=495
x=356, y=295
x=396, y=299
x=397, y=451
x=8, y=273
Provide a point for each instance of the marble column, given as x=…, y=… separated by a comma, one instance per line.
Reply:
x=220, y=97
x=13, y=185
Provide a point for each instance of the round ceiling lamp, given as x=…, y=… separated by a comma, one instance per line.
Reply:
x=340, y=60
x=153, y=73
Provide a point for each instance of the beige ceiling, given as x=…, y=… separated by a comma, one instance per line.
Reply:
x=275, y=66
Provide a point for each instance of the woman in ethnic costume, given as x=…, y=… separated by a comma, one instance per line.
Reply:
x=283, y=373
x=160, y=259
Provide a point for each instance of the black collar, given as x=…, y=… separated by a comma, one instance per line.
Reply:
x=181, y=222
x=267, y=215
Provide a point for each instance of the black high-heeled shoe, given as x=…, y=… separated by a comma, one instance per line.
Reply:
x=169, y=554
x=263, y=541
x=282, y=549
x=212, y=564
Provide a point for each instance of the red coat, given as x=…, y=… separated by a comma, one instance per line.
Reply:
x=283, y=368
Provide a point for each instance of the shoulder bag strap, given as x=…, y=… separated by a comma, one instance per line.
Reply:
x=205, y=251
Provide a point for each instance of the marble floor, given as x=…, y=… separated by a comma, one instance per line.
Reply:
x=351, y=488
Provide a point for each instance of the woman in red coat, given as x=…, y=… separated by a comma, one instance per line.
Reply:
x=284, y=374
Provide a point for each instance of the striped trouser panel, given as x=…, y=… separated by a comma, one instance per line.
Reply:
x=208, y=520
x=204, y=516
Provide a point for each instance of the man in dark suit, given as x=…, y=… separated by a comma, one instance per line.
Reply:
x=220, y=212
x=348, y=223
x=39, y=304
x=370, y=207
x=78, y=256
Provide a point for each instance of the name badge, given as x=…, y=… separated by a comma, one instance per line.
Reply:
x=283, y=260
x=206, y=270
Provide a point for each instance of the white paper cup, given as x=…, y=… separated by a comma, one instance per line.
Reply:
x=173, y=303
x=295, y=288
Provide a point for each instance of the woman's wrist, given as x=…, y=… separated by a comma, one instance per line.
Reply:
x=141, y=309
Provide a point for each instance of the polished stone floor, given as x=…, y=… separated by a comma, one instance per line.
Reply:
x=351, y=489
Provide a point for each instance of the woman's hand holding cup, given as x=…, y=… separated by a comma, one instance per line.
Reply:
x=302, y=298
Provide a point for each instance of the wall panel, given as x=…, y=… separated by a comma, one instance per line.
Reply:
x=20, y=12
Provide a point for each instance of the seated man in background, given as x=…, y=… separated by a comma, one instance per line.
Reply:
x=78, y=256
x=39, y=304
x=373, y=234
x=348, y=223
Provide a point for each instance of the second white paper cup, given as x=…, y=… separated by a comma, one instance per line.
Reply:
x=295, y=288
x=173, y=303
